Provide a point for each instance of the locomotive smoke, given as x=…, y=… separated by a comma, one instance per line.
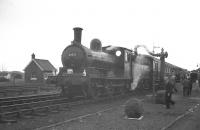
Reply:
x=137, y=46
x=139, y=70
x=137, y=77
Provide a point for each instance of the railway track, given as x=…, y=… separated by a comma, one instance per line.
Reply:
x=24, y=99
x=17, y=106
x=11, y=109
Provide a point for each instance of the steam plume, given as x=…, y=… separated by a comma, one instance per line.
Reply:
x=139, y=71
x=137, y=46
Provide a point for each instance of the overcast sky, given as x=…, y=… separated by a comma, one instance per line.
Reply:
x=44, y=27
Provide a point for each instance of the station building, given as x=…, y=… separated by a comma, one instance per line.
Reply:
x=38, y=70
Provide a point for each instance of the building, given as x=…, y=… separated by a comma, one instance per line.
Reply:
x=38, y=70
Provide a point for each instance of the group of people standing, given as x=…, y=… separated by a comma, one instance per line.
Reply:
x=170, y=87
x=187, y=86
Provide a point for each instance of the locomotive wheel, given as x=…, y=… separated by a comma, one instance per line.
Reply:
x=109, y=89
x=123, y=90
x=92, y=90
x=67, y=92
x=84, y=90
x=127, y=88
x=69, y=95
x=110, y=92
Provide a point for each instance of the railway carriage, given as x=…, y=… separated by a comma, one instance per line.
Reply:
x=194, y=76
x=146, y=72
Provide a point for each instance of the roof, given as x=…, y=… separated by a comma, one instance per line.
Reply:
x=44, y=65
x=115, y=48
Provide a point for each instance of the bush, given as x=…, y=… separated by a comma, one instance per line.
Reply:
x=3, y=79
x=134, y=108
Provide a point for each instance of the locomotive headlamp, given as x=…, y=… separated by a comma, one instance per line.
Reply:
x=118, y=53
x=84, y=72
x=70, y=71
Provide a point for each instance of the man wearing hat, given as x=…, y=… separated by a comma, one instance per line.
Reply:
x=169, y=86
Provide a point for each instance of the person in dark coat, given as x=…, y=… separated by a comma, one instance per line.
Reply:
x=186, y=86
x=191, y=81
x=168, y=92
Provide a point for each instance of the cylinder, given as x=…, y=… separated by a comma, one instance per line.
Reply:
x=77, y=35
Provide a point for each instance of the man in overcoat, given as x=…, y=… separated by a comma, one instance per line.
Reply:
x=169, y=87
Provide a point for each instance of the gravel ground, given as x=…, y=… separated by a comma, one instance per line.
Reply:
x=155, y=116
x=189, y=122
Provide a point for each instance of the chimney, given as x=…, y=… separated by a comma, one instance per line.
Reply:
x=33, y=56
x=77, y=35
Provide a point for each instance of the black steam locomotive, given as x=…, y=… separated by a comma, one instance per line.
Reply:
x=108, y=70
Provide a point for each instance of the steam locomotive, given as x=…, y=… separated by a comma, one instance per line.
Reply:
x=99, y=71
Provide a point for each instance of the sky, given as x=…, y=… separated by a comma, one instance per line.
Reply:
x=44, y=27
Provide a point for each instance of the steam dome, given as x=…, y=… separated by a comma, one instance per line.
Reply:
x=96, y=45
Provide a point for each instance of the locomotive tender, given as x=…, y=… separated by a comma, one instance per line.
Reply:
x=99, y=71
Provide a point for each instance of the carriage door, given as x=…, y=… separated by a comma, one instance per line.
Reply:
x=127, y=64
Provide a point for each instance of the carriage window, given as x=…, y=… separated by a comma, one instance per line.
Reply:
x=126, y=57
x=129, y=57
x=156, y=66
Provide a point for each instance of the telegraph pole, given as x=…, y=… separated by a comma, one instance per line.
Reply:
x=162, y=56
